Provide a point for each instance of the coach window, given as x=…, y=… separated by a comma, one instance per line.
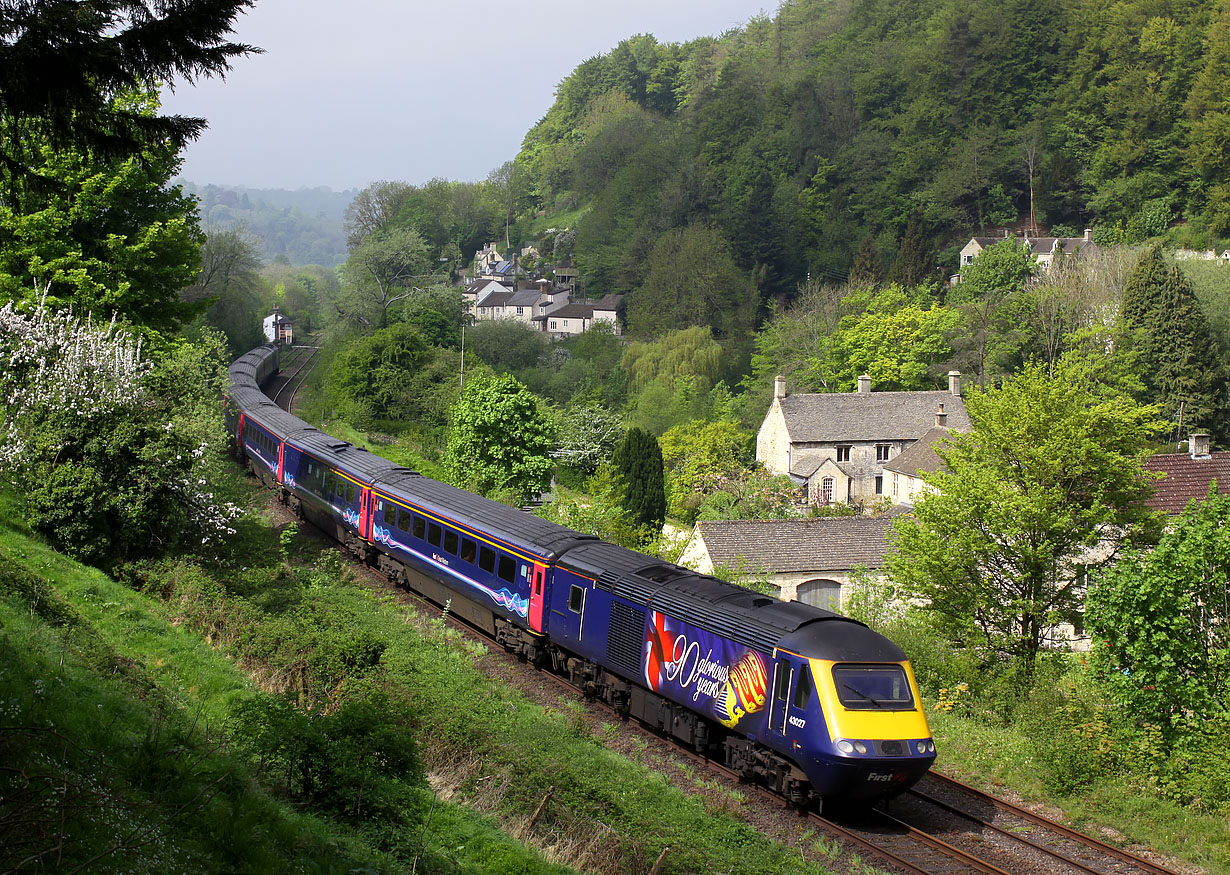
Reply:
x=468, y=549
x=403, y=520
x=433, y=534
x=486, y=560
x=350, y=493
x=508, y=569
x=420, y=528
x=450, y=541
x=576, y=599
x=802, y=690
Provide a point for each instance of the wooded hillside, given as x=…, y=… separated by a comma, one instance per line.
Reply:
x=840, y=123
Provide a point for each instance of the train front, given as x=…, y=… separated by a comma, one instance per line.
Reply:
x=867, y=736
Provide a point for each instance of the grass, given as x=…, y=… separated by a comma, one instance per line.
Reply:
x=978, y=750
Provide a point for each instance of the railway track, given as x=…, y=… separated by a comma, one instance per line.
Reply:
x=283, y=387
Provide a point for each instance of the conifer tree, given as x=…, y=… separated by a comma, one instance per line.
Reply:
x=1182, y=372
x=638, y=461
x=866, y=269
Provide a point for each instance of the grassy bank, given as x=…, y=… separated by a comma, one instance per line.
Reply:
x=353, y=733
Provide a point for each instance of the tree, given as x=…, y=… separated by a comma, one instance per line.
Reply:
x=898, y=341
x=638, y=463
x=504, y=182
x=383, y=269
x=915, y=262
x=998, y=270
x=586, y=434
x=1181, y=368
x=230, y=281
x=1160, y=619
x=374, y=209
x=63, y=63
x=699, y=456
x=1048, y=483
x=866, y=269
x=111, y=235
x=370, y=378
x=692, y=280
x=500, y=440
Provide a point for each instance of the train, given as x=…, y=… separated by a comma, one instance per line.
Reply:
x=805, y=701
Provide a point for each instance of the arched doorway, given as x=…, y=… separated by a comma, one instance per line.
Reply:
x=821, y=593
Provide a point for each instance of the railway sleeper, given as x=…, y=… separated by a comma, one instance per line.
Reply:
x=756, y=763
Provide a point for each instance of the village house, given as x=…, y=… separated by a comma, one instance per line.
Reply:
x=1042, y=248
x=905, y=471
x=838, y=444
x=812, y=560
x=479, y=289
x=1186, y=476
x=578, y=318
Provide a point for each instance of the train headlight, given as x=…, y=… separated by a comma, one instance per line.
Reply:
x=860, y=747
x=926, y=746
x=845, y=746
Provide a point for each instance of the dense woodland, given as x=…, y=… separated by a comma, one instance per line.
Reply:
x=786, y=199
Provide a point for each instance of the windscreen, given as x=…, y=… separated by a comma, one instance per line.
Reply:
x=871, y=687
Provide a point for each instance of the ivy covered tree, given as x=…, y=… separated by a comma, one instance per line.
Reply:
x=638, y=463
x=1181, y=369
x=499, y=444
x=1048, y=483
x=1160, y=620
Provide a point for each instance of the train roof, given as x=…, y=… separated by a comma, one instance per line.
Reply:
x=285, y=425
x=526, y=531
x=736, y=613
x=342, y=454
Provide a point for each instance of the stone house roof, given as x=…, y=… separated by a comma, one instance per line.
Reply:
x=1186, y=478
x=495, y=299
x=799, y=545
x=920, y=457
x=869, y=416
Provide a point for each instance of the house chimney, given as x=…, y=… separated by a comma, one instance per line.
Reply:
x=779, y=386
x=1088, y=235
x=941, y=418
x=954, y=383
x=864, y=384
x=1199, y=446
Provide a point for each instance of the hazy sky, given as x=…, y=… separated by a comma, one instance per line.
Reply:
x=350, y=92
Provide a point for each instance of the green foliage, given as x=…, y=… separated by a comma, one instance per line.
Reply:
x=112, y=236
x=386, y=267
x=637, y=461
x=1003, y=268
x=1182, y=372
x=898, y=338
x=500, y=439
x=600, y=510
x=692, y=280
x=700, y=455
x=1160, y=618
x=1050, y=473
x=687, y=352
x=351, y=762
x=372, y=377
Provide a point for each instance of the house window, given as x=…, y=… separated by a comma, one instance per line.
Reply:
x=565, y=323
x=879, y=484
x=843, y=454
x=881, y=452
x=520, y=311
x=826, y=490
x=554, y=325
x=895, y=479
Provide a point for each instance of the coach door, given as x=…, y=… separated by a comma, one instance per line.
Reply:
x=784, y=675
x=365, y=507
x=538, y=587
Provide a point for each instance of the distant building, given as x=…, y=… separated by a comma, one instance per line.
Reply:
x=278, y=328
x=1042, y=248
